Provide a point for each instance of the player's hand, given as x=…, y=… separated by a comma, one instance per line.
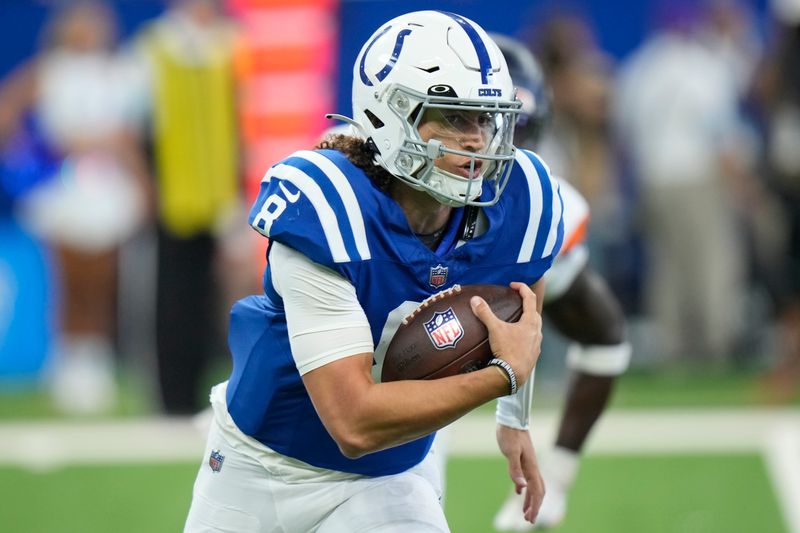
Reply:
x=516, y=446
x=518, y=343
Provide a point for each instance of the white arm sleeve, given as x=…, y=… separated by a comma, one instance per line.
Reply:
x=324, y=317
x=515, y=411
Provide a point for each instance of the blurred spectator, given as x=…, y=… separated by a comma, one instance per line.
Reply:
x=679, y=120
x=729, y=32
x=189, y=97
x=577, y=144
x=72, y=99
x=778, y=90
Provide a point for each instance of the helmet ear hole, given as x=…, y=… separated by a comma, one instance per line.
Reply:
x=373, y=118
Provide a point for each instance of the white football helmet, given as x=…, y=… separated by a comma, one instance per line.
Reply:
x=434, y=64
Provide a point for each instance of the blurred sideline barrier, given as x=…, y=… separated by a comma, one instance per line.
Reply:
x=26, y=294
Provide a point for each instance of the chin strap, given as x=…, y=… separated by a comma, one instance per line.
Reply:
x=469, y=222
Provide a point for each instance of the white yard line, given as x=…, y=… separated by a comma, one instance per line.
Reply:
x=643, y=431
x=40, y=445
x=619, y=432
x=782, y=456
x=773, y=432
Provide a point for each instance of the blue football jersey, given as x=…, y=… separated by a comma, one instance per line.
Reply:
x=320, y=204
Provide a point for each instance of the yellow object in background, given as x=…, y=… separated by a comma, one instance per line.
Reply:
x=195, y=130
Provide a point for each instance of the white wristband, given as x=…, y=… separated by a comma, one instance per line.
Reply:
x=512, y=377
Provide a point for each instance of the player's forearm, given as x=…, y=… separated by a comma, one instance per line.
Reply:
x=390, y=414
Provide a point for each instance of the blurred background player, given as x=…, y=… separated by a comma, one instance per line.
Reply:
x=678, y=117
x=778, y=97
x=578, y=303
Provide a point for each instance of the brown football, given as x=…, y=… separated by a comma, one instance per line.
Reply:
x=443, y=337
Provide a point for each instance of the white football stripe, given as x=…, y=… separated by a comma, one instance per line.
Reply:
x=327, y=217
x=535, y=192
x=347, y=195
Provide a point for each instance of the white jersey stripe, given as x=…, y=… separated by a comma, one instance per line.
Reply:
x=327, y=217
x=535, y=192
x=557, y=212
x=268, y=175
x=347, y=195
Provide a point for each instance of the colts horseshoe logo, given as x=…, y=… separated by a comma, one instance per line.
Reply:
x=398, y=45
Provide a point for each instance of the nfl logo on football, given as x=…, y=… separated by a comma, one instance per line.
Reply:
x=438, y=276
x=215, y=460
x=444, y=329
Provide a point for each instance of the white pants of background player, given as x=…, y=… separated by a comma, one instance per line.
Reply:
x=257, y=490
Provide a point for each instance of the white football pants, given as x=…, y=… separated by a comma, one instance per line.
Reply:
x=256, y=490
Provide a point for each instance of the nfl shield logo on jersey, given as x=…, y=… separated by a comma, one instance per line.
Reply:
x=215, y=460
x=438, y=276
x=444, y=329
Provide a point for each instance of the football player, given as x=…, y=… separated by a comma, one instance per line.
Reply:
x=429, y=193
x=578, y=303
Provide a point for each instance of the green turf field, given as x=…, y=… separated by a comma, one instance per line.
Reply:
x=653, y=494
x=639, y=493
x=96, y=499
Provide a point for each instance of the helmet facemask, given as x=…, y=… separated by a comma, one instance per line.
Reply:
x=481, y=132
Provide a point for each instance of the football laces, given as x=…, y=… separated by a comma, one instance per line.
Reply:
x=455, y=289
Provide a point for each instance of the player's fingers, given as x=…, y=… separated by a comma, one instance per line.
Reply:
x=529, y=510
x=483, y=311
x=526, y=505
x=532, y=503
x=529, y=311
x=534, y=494
x=516, y=474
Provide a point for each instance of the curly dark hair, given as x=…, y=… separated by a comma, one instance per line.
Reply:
x=361, y=155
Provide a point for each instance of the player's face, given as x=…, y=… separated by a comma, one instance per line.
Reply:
x=470, y=131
